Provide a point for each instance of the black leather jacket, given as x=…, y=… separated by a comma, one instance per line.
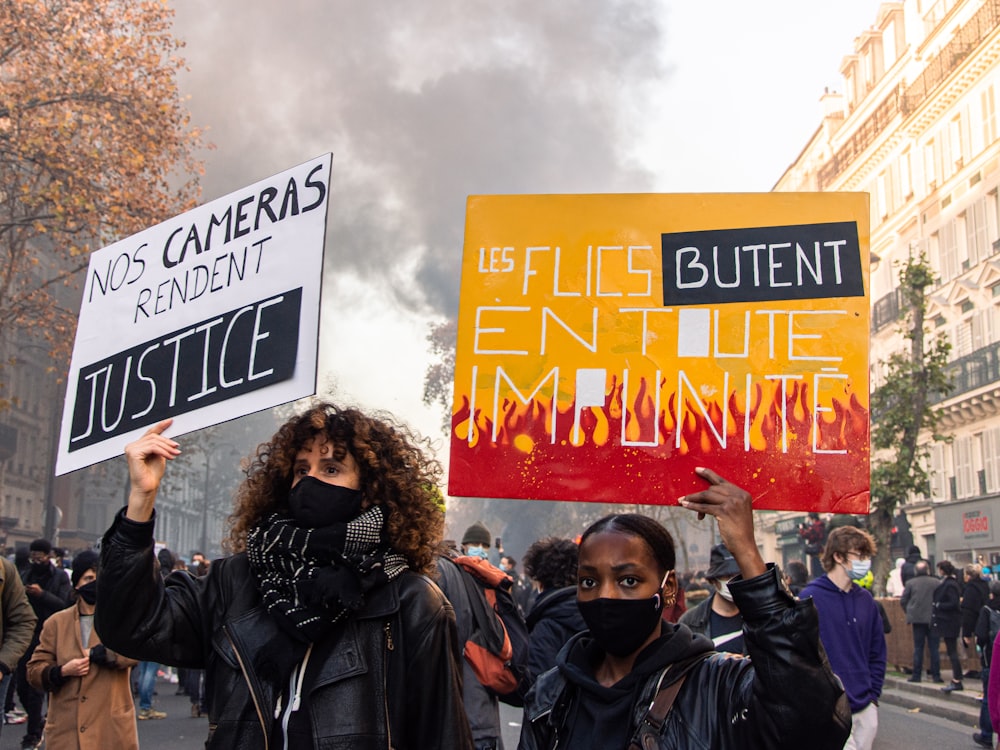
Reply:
x=793, y=700
x=391, y=680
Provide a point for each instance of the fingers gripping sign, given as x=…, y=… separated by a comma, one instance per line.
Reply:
x=147, y=462
x=732, y=507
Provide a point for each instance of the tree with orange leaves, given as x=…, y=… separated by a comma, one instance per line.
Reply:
x=95, y=145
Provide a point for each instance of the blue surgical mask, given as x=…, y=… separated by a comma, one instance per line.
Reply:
x=859, y=569
x=475, y=550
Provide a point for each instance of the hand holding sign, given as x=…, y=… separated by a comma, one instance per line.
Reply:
x=732, y=507
x=147, y=462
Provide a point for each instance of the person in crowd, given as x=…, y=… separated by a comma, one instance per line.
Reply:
x=975, y=595
x=718, y=617
x=476, y=541
x=946, y=620
x=60, y=559
x=917, y=602
x=894, y=586
x=813, y=535
x=145, y=686
x=615, y=682
x=522, y=591
x=984, y=737
x=325, y=602
x=482, y=707
x=912, y=558
x=48, y=591
x=199, y=564
x=90, y=704
x=851, y=628
x=697, y=589
x=17, y=626
x=796, y=576
x=555, y=618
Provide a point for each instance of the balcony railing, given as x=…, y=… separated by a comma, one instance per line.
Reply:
x=887, y=310
x=972, y=371
x=906, y=101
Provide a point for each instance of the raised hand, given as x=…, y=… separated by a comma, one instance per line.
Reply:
x=732, y=507
x=147, y=461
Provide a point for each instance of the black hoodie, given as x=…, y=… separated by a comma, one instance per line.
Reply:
x=602, y=716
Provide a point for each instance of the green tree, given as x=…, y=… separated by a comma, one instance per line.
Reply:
x=440, y=373
x=901, y=412
x=95, y=145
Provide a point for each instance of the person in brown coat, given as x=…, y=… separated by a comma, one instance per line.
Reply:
x=90, y=698
x=17, y=624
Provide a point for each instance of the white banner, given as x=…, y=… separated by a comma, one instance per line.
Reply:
x=206, y=317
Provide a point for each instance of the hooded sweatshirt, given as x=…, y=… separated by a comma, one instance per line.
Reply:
x=602, y=717
x=850, y=628
x=553, y=620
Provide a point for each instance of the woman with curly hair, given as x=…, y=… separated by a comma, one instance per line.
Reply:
x=321, y=629
x=554, y=618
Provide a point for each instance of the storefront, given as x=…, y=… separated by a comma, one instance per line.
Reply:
x=967, y=532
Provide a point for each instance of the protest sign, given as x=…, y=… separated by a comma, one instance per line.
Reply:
x=205, y=317
x=609, y=344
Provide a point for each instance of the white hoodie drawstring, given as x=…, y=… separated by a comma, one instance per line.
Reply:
x=295, y=683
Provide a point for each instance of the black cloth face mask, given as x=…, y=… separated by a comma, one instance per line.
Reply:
x=621, y=626
x=315, y=504
x=88, y=592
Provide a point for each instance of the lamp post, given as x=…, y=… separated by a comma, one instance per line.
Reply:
x=204, y=504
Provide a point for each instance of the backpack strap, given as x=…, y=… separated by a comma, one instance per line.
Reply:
x=651, y=724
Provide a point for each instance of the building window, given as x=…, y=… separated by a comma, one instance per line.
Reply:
x=965, y=484
x=905, y=176
x=938, y=473
x=930, y=164
x=977, y=242
x=991, y=458
x=958, y=144
x=948, y=263
x=988, y=100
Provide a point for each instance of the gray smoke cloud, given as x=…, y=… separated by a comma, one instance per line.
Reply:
x=422, y=104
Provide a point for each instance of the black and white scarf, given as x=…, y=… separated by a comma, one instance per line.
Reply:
x=311, y=579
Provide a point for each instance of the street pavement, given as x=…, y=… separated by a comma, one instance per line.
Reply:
x=913, y=716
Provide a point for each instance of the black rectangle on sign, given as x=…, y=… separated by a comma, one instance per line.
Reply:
x=236, y=352
x=762, y=264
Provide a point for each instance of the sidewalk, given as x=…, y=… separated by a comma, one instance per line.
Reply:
x=926, y=697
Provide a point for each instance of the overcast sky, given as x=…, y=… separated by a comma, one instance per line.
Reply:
x=424, y=103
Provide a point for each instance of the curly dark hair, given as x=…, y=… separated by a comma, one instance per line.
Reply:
x=396, y=468
x=552, y=562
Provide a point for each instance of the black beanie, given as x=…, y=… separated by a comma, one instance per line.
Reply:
x=477, y=534
x=86, y=560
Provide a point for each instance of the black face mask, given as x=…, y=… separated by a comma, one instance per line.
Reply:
x=88, y=592
x=316, y=504
x=621, y=626
x=40, y=571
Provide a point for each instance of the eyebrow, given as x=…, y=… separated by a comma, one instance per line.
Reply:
x=322, y=461
x=620, y=568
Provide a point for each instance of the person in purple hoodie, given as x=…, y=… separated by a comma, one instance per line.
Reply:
x=850, y=628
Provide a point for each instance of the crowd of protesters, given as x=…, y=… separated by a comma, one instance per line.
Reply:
x=339, y=591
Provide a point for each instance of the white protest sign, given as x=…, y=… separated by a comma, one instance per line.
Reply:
x=206, y=317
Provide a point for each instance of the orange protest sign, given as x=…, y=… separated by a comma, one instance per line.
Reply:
x=609, y=344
